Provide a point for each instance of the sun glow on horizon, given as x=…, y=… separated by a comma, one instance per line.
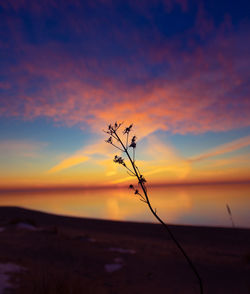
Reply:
x=183, y=84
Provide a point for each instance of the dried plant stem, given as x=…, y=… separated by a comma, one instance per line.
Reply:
x=230, y=215
x=146, y=200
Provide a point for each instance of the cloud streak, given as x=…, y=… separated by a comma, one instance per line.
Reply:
x=86, y=153
x=68, y=162
x=223, y=149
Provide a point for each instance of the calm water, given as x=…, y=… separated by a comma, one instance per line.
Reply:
x=196, y=205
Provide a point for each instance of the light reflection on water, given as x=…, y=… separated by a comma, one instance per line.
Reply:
x=195, y=205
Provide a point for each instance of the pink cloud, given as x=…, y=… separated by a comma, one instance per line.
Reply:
x=205, y=88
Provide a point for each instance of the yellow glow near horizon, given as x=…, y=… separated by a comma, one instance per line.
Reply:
x=93, y=166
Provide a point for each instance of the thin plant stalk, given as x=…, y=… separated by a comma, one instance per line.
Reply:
x=230, y=215
x=145, y=198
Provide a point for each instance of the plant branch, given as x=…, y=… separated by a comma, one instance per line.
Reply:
x=117, y=147
x=130, y=171
x=131, y=174
x=146, y=200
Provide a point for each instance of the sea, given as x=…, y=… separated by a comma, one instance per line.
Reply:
x=220, y=205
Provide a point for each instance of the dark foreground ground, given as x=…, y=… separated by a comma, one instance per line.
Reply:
x=71, y=256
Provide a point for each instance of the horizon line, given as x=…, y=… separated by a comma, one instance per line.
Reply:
x=62, y=188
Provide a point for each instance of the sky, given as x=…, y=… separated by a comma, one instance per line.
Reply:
x=177, y=69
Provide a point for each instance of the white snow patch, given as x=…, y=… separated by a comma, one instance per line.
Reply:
x=2, y=229
x=110, y=268
x=5, y=270
x=121, y=250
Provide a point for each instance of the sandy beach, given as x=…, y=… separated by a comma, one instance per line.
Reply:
x=58, y=254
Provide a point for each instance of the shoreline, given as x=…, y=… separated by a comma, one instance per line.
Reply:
x=32, y=212
x=77, y=221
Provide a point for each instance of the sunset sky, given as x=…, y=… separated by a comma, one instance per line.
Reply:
x=178, y=70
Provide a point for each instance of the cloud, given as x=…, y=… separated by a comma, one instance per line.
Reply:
x=86, y=153
x=128, y=72
x=222, y=149
x=69, y=162
x=235, y=161
x=21, y=148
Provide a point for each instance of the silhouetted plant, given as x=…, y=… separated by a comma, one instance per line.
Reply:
x=230, y=215
x=128, y=147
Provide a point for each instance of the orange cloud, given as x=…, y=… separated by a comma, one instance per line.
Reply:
x=82, y=155
x=224, y=148
x=69, y=162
